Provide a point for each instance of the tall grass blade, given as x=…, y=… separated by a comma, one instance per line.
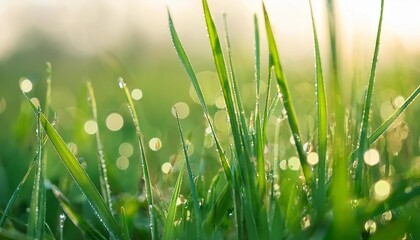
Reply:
x=226, y=85
x=191, y=73
x=198, y=220
x=37, y=211
x=322, y=121
x=237, y=102
x=78, y=220
x=287, y=100
x=103, y=177
x=363, y=140
x=16, y=193
x=143, y=159
x=169, y=230
x=81, y=178
x=259, y=130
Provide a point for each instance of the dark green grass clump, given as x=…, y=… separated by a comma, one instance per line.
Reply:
x=331, y=187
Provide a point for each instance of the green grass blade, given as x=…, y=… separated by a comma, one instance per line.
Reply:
x=12, y=235
x=193, y=188
x=287, y=100
x=224, y=83
x=78, y=220
x=124, y=223
x=169, y=230
x=143, y=159
x=15, y=194
x=103, y=177
x=191, y=73
x=385, y=125
x=219, y=210
x=363, y=140
x=322, y=120
x=36, y=226
x=81, y=178
x=259, y=130
x=237, y=101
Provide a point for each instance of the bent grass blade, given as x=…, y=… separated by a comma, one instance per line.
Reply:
x=81, y=178
x=83, y=225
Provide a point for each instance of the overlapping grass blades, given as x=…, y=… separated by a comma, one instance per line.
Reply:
x=103, y=177
x=363, y=139
x=78, y=220
x=169, y=230
x=81, y=178
x=145, y=168
x=287, y=100
x=182, y=55
x=16, y=193
x=322, y=123
x=193, y=188
x=36, y=218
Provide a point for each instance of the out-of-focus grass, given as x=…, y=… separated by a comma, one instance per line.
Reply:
x=399, y=156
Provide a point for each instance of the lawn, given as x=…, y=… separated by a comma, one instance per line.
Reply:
x=214, y=141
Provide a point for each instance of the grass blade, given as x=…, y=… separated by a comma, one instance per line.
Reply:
x=363, y=140
x=15, y=194
x=75, y=217
x=224, y=83
x=200, y=231
x=103, y=177
x=191, y=73
x=287, y=101
x=385, y=125
x=37, y=211
x=143, y=160
x=81, y=178
x=322, y=120
x=168, y=231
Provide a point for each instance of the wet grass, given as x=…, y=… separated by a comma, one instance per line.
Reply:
x=325, y=189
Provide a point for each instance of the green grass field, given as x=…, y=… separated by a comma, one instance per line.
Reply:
x=221, y=151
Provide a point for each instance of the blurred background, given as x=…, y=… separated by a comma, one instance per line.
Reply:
x=101, y=41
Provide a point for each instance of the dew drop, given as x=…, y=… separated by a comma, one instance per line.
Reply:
x=121, y=82
x=370, y=226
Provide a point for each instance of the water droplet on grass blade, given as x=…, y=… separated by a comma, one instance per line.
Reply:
x=121, y=82
x=370, y=226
